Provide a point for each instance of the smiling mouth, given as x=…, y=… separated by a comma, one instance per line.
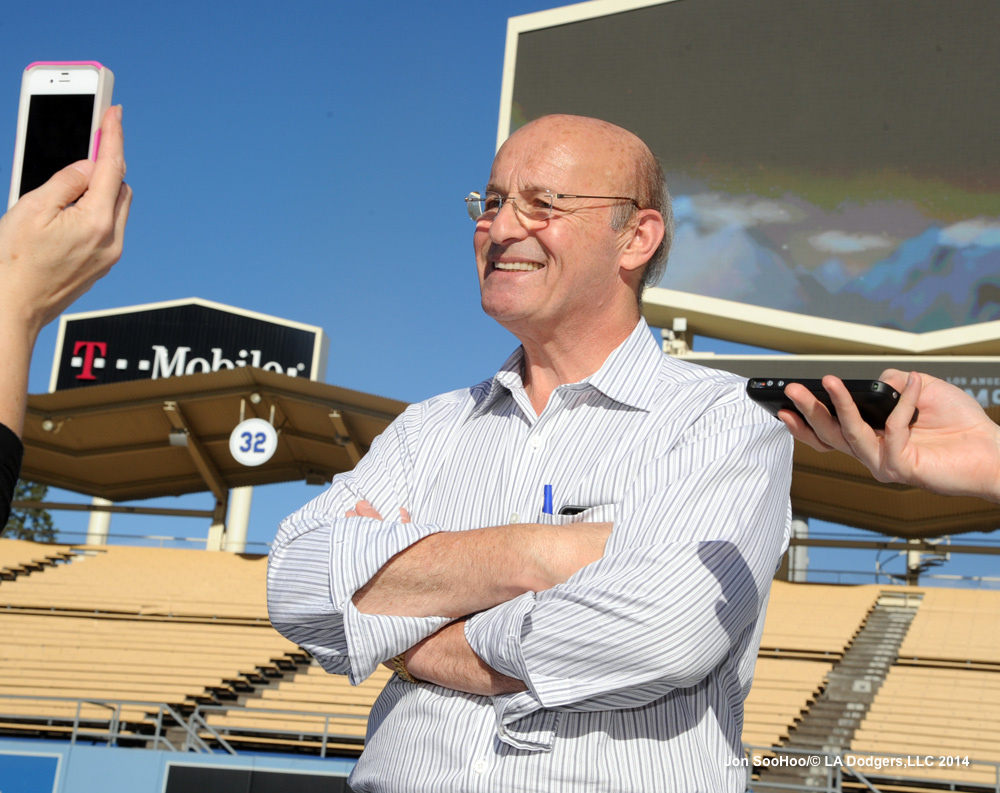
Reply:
x=519, y=266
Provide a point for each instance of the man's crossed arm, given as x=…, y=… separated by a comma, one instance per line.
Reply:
x=455, y=574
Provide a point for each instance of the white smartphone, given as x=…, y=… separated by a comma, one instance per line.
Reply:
x=58, y=120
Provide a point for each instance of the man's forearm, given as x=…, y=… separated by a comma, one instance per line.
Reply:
x=447, y=660
x=453, y=574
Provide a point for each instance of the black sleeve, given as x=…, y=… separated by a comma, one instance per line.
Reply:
x=11, y=453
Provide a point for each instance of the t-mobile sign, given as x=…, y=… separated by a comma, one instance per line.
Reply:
x=181, y=337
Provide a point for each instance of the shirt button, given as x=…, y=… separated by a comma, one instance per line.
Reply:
x=514, y=518
x=479, y=767
x=535, y=442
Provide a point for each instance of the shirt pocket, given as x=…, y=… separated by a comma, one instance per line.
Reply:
x=601, y=513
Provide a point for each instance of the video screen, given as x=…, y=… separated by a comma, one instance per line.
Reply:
x=836, y=159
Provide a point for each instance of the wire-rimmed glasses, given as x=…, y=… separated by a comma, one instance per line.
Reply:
x=533, y=206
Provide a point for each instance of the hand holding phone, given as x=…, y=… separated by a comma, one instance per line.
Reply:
x=63, y=236
x=874, y=399
x=58, y=121
x=52, y=250
x=954, y=448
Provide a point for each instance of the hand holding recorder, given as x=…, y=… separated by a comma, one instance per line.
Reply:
x=952, y=449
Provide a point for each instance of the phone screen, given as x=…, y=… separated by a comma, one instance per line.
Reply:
x=57, y=134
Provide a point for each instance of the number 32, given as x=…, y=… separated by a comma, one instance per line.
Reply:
x=253, y=442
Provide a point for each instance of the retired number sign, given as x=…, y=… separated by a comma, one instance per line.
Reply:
x=253, y=442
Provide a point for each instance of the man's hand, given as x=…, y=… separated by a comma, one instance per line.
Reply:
x=365, y=510
x=953, y=448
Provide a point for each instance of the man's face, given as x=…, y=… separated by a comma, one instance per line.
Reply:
x=535, y=277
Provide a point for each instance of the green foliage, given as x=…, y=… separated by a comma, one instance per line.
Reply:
x=30, y=524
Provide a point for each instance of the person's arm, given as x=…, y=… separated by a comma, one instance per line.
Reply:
x=11, y=453
x=446, y=659
x=678, y=591
x=953, y=448
x=355, y=590
x=460, y=573
x=52, y=251
x=453, y=574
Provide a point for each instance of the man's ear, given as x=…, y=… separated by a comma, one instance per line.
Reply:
x=647, y=230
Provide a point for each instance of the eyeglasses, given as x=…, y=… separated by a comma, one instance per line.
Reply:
x=534, y=206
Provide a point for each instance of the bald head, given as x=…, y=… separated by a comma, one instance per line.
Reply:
x=618, y=161
x=609, y=150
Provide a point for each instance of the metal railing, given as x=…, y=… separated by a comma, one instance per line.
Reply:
x=158, y=715
x=822, y=772
x=153, y=540
x=324, y=736
x=198, y=732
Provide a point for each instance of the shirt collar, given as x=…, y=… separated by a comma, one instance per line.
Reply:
x=628, y=375
x=504, y=381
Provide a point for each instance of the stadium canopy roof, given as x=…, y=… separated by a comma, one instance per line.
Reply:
x=800, y=333
x=114, y=441
x=166, y=437
x=838, y=488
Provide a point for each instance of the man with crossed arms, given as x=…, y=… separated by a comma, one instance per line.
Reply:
x=606, y=650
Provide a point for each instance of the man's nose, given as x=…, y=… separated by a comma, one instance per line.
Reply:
x=507, y=224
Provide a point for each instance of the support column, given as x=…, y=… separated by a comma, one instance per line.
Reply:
x=238, y=522
x=913, y=563
x=795, y=563
x=99, y=524
x=798, y=555
x=216, y=540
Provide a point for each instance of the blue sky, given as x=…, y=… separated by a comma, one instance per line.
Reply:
x=306, y=160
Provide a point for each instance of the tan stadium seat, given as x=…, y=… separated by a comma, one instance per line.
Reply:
x=306, y=703
x=782, y=689
x=817, y=618
x=148, y=581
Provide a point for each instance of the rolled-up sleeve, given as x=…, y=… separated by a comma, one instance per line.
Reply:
x=320, y=558
x=683, y=580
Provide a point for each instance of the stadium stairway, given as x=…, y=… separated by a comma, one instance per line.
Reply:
x=306, y=710
x=23, y=557
x=830, y=723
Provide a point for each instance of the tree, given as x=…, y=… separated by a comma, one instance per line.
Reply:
x=30, y=524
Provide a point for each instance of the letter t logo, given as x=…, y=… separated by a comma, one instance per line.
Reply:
x=89, y=348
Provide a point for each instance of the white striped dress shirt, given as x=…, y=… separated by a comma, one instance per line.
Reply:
x=638, y=665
